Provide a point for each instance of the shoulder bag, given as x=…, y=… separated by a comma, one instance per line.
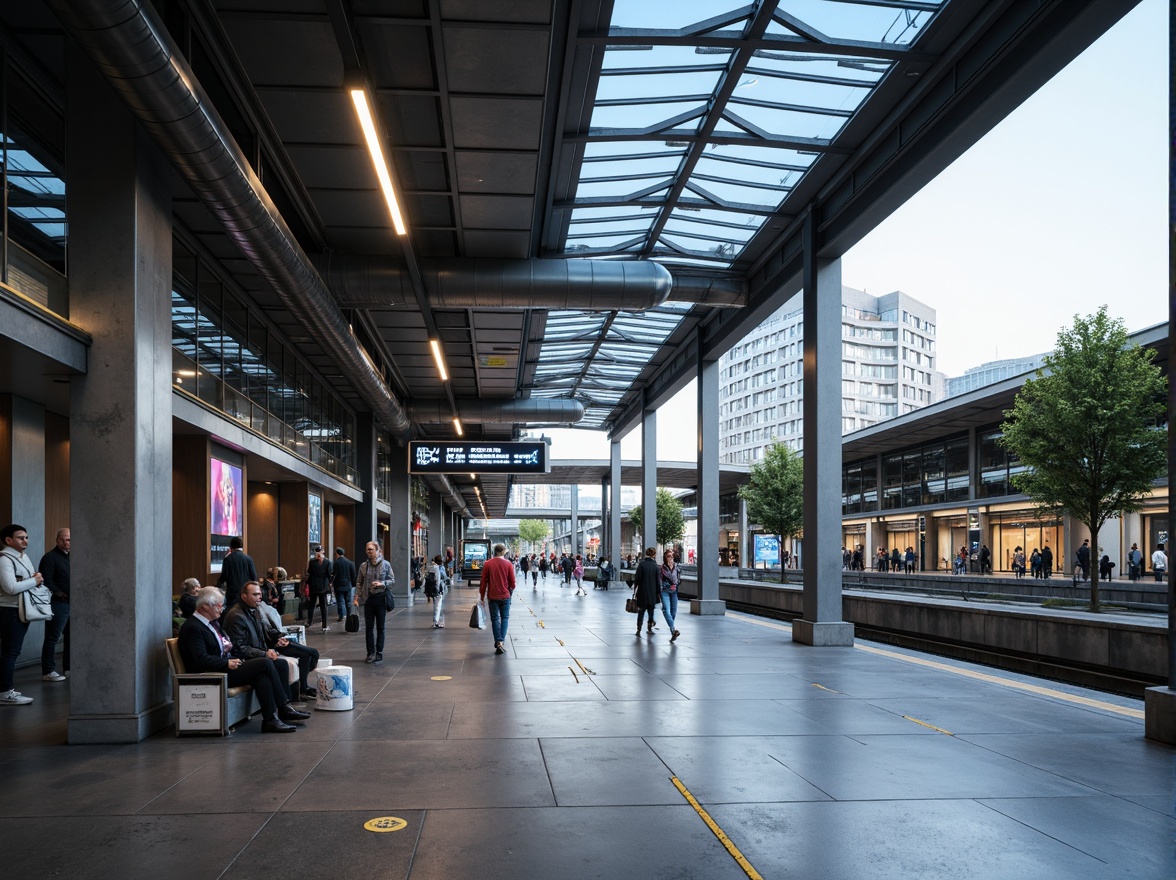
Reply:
x=34, y=603
x=631, y=602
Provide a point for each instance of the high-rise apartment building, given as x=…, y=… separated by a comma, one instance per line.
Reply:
x=990, y=372
x=887, y=368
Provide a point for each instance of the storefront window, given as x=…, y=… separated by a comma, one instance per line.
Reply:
x=1022, y=529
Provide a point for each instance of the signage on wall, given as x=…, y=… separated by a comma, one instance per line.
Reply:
x=226, y=502
x=478, y=457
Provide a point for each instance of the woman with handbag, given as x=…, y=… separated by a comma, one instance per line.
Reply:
x=373, y=589
x=647, y=589
x=18, y=576
x=670, y=575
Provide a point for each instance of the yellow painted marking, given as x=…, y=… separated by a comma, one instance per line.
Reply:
x=822, y=687
x=385, y=823
x=573, y=672
x=561, y=641
x=540, y=624
x=1126, y=711
x=1017, y=685
x=583, y=668
x=718, y=832
x=925, y=724
x=441, y=678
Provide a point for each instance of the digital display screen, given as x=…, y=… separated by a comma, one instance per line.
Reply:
x=228, y=499
x=478, y=457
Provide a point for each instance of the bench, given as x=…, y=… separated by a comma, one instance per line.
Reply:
x=203, y=700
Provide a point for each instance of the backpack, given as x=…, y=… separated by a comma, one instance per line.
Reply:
x=431, y=590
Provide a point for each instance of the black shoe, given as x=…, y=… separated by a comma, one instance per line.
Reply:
x=290, y=714
x=378, y=658
x=674, y=637
x=273, y=725
x=371, y=658
x=498, y=649
x=309, y=694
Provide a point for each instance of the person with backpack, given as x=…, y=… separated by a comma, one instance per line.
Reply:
x=1134, y=560
x=435, y=586
x=543, y=567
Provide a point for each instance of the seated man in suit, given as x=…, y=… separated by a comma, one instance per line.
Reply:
x=253, y=636
x=205, y=648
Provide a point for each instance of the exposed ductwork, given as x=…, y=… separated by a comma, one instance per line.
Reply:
x=532, y=410
x=590, y=285
x=711, y=290
x=129, y=45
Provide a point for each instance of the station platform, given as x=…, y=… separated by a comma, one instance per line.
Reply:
x=587, y=751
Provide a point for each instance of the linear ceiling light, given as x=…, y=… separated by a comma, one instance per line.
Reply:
x=359, y=97
x=457, y=425
x=436, y=346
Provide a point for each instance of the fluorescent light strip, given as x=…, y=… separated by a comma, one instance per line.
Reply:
x=457, y=425
x=359, y=98
x=436, y=346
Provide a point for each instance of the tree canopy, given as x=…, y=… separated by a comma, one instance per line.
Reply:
x=532, y=530
x=774, y=492
x=671, y=524
x=1088, y=428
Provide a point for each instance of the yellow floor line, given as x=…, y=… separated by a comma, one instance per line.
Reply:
x=718, y=832
x=1125, y=711
x=925, y=724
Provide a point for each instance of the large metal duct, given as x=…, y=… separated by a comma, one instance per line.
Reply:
x=716, y=291
x=589, y=285
x=130, y=46
x=499, y=412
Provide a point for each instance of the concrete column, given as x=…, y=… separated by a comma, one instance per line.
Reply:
x=648, y=479
x=365, y=464
x=575, y=521
x=604, y=519
x=24, y=478
x=822, y=623
x=614, y=503
x=400, y=523
x=119, y=212
x=436, y=525
x=744, y=540
x=708, y=601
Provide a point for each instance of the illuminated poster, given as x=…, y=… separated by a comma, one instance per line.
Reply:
x=315, y=525
x=227, y=503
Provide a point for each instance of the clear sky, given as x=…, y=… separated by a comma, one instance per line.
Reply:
x=1061, y=208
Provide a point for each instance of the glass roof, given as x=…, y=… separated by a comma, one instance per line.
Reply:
x=596, y=356
x=698, y=134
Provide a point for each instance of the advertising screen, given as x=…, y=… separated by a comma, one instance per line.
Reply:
x=228, y=499
x=315, y=524
x=767, y=549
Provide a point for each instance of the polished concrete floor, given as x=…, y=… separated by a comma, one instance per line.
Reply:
x=558, y=760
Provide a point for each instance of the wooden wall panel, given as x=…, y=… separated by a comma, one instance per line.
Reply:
x=345, y=530
x=190, y=511
x=261, y=525
x=293, y=528
x=56, y=475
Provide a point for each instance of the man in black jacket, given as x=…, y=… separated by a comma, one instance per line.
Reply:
x=236, y=571
x=252, y=636
x=343, y=580
x=54, y=569
x=205, y=648
x=318, y=580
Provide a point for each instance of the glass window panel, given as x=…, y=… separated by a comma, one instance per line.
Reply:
x=740, y=193
x=856, y=21
x=785, y=122
x=867, y=71
x=934, y=476
x=642, y=116
x=619, y=189
x=892, y=482
x=869, y=486
x=912, y=478
x=652, y=166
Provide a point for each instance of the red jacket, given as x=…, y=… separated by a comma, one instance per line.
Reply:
x=498, y=579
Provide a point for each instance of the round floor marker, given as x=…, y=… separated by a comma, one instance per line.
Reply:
x=385, y=823
x=441, y=678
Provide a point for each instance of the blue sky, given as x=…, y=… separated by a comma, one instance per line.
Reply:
x=1058, y=210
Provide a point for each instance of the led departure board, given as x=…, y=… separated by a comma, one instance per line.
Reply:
x=478, y=457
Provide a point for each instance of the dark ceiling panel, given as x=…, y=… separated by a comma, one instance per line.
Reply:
x=422, y=170
x=412, y=120
x=496, y=172
x=495, y=243
x=292, y=52
x=398, y=56
x=377, y=242
x=493, y=61
x=496, y=212
x=312, y=117
x=352, y=208
x=435, y=243
x=430, y=210
x=521, y=11
x=343, y=166
x=496, y=123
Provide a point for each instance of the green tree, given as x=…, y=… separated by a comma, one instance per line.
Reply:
x=671, y=524
x=1088, y=428
x=532, y=531
x=774, y=493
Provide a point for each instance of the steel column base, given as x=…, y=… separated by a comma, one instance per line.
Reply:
x=708, y=606
x=834, y=634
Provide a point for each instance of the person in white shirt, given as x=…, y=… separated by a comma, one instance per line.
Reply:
x=18, y=573
x=1159, y=562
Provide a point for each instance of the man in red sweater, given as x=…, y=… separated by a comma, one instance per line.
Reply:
x=497, y=586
